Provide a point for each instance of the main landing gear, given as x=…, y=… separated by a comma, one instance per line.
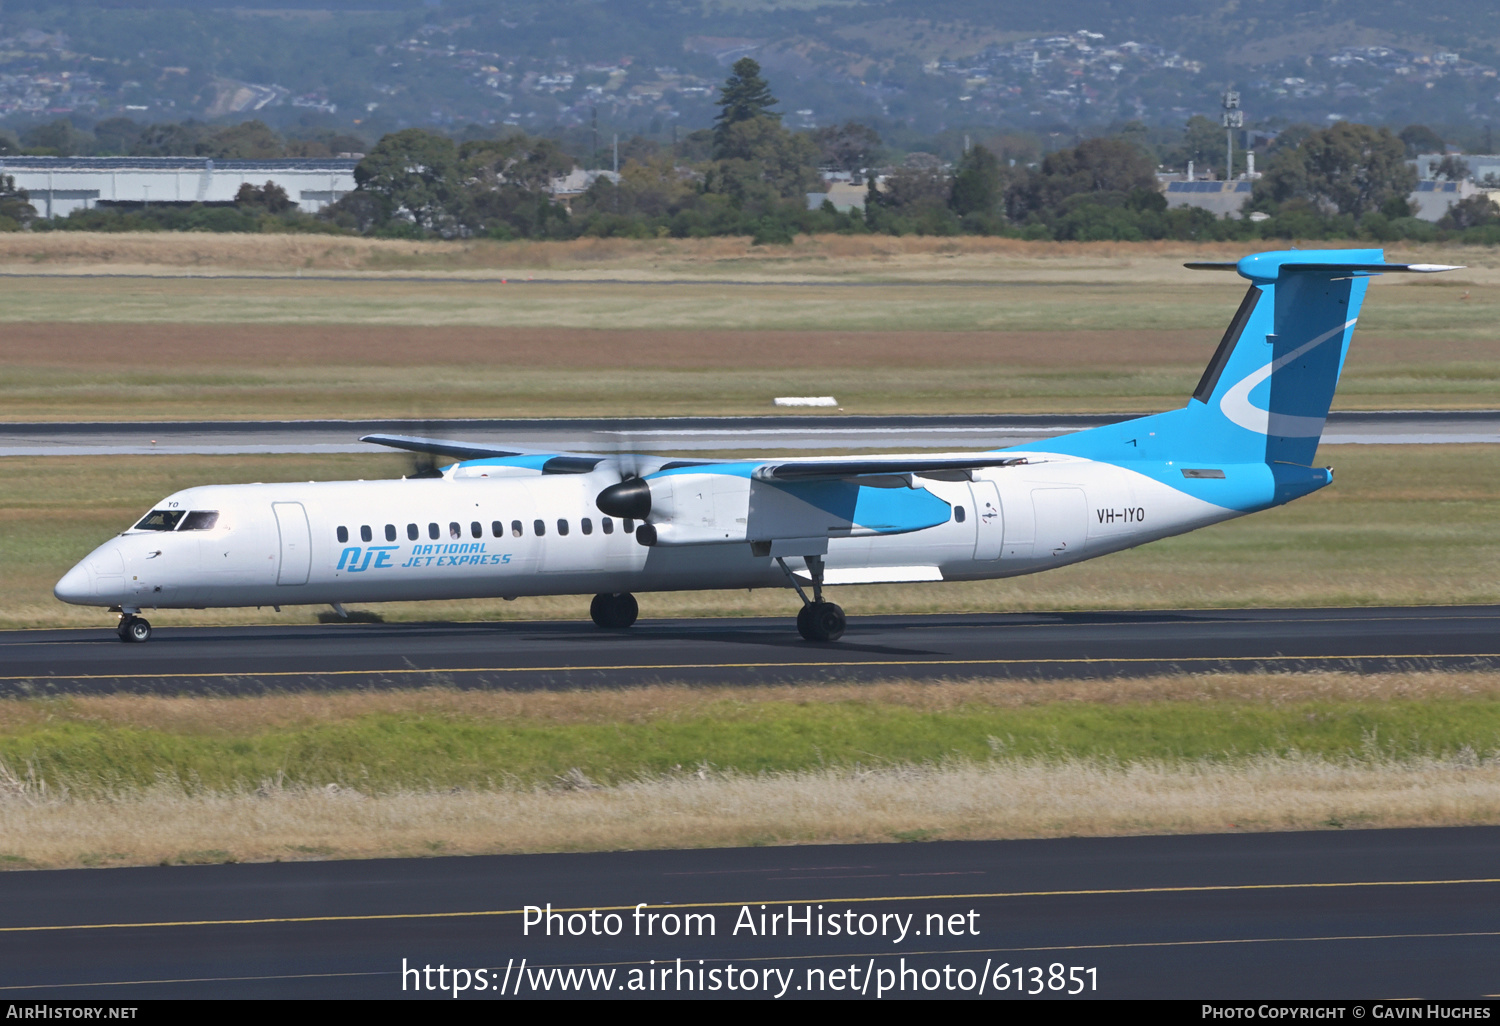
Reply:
x=134, y=628
x=816, y=620
x=614, y=612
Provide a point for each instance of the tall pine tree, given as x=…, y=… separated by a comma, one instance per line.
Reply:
x=743, y=96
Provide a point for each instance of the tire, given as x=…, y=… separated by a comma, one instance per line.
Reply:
x=614, y=612
x=821, y=622
x=135, y=630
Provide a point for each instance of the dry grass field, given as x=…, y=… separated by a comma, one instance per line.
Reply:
x=883, y=258
x=222, y=326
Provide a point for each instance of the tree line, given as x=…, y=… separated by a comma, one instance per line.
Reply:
x=749, y=175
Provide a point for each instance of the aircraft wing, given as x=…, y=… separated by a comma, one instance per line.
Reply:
x=812, y=468
x=442, y=447
x=547, y=461
x=842, y=468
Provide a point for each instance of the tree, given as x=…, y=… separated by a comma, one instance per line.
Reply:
x=1419, y=139
x=1093, y=166
x=16, y=211
x=508, y=182
x=1470, y=213
x=270, y=197
x=1451, y=169
x=57, y=138
x=1348, y=168
x=743, y=97
x=761, y=150
x=1203, y=143
x=848, y=147
x=166, y=140
x=116, y=136
x=249, y=140
x=976, y=183
x=415, y=174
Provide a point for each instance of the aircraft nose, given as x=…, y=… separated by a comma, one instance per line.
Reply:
x=97, y=580
x=75, y=587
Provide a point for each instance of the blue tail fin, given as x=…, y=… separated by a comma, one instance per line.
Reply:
x=1265, y=394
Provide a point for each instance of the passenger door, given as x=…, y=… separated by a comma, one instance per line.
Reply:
x=296, y=543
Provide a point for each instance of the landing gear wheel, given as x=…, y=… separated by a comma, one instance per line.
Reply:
x=614, y=612
x=821, y=621
x=134, y=629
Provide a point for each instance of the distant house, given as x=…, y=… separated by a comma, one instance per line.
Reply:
x=1218, y=198
x=577, y=182
x=1433, y=198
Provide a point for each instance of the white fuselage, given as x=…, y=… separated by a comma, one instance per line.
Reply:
x=352, y=541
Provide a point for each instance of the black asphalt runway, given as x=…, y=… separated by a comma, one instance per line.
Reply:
x=1369, y=914
x=553, y=654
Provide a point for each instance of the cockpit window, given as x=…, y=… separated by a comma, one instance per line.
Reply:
x=160, y=520
x=200, y=520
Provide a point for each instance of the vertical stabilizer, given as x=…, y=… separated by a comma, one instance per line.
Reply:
x=1266, y=393
x=1264, y=396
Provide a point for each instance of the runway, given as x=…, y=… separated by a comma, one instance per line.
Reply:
x=1360, y=914
x=569, y=654
x=681, y=434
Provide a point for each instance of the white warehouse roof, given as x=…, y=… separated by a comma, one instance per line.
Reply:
x=60, y=185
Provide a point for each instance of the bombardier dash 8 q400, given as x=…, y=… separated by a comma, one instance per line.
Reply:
x=505, y=522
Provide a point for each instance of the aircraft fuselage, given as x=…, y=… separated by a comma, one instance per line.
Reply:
x=467, y=535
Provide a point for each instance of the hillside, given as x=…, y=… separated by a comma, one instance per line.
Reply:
x=653, y=66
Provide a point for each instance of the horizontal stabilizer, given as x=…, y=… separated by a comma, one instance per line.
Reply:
x=1267, y=267
x=1373, y=268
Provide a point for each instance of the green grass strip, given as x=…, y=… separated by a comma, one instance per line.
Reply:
x=381, y=752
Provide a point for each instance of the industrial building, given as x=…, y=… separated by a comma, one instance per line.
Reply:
x=60, y=185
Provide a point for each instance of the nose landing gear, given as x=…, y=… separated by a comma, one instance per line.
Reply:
x=817, y=620
x=134, y=628
x=614, y=612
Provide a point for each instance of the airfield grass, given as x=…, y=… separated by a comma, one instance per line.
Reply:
x=120, y=779
x=677, y=327
x=1401, y=525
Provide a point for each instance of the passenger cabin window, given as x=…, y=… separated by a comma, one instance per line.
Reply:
x=200, y=520
x=412, y=534
x=540, y=527
x=476, y=529
x=515, y=528
x=365, y=533
x=562, y=527
x=343, y=534
x=608, y=525
x=497, y=528
x=959, y=514
x=628, y=526
x=454, y=531
x=587, y=525
x=160, y=520
x=390, y=532
x=433, y=532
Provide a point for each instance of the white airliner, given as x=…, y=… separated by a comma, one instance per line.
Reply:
x=505, y=522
